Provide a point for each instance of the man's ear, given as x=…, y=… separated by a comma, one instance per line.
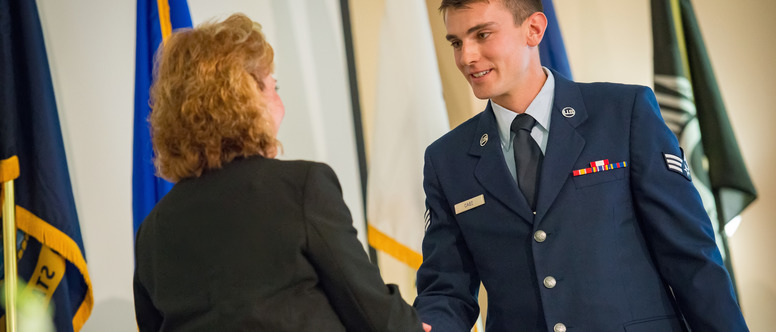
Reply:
x=536, y=24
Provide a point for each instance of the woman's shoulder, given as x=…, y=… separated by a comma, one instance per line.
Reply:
x=285, y=164
x=298, y=169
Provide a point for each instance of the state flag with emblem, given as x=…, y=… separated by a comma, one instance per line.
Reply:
x=50, y=251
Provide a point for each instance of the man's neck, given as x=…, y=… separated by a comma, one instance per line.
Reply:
x=519, y=99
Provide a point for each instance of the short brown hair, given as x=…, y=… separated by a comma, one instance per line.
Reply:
x=207, y=108
x=520, y=9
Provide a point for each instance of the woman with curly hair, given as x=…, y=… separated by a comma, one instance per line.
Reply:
x=243, y=241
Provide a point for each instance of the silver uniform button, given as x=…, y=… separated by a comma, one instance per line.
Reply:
x=540, y=236
x=559, y=327
x=550, y=282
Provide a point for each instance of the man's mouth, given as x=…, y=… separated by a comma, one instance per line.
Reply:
x=481, y=73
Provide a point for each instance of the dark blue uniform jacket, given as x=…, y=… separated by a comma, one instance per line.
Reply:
x=625, y=249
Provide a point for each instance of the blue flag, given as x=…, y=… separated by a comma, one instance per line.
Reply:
x=51, y=256
x=156, y=19
x=551, y=49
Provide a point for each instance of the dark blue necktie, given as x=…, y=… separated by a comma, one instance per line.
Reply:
x=528, y=157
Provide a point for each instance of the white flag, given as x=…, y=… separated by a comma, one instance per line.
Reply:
x=409, y=115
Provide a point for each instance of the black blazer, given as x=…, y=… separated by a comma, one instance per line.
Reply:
x=260, y=245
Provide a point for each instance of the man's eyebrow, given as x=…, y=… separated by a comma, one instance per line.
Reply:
x=471, y=30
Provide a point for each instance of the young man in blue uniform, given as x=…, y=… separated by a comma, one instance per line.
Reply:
x=570, y=202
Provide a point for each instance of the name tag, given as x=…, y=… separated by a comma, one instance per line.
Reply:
x=469, y=204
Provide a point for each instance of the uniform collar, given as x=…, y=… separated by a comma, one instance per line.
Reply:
x=540, y=109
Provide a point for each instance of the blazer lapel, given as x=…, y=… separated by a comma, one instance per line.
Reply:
x=491, y=170
x=564, y=144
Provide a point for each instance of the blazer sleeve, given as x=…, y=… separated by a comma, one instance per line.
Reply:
x=676, y=226
x=351, y=282
x=147, y=316
x=448, y=282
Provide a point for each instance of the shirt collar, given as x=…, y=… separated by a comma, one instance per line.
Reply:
x=540, y=109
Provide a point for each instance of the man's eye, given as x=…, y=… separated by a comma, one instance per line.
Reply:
x=483, y=35
x=456, y=44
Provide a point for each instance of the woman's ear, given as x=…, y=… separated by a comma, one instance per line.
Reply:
x=258, y=81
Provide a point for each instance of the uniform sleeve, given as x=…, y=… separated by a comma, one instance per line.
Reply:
x=676, y=226
x=448, y=282
x=352, y=284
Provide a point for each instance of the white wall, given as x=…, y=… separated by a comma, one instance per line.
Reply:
x=91, y=55
x=91, y=49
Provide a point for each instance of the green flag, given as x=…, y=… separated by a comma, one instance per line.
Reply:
x=692, y=107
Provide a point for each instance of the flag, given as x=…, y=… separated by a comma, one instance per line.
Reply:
x=409, y=115
x=156, y=19
x=51, y=256
x=551, y=49
x=692, y=107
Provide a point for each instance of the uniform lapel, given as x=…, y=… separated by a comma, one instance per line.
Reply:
x=564, y=144
x=491, y=170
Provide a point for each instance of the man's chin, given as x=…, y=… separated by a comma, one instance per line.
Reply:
x=483, y=95
x=481, y=90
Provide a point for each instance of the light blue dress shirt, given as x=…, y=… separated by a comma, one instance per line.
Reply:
x=540, y=109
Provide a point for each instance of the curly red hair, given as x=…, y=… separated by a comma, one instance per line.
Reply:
x=207, y=107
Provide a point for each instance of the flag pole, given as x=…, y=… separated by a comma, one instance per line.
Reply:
x=728, y=261
x=356, y=107
x=9, y=255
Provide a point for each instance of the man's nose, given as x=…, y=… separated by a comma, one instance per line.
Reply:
x=469, y=54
